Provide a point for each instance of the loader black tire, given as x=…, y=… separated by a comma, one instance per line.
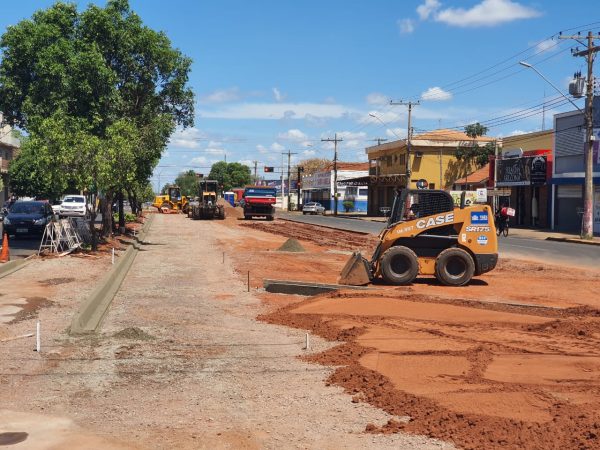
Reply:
x=399, y=265
x=454, y=267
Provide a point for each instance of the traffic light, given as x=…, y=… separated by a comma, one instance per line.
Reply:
x=269, y=169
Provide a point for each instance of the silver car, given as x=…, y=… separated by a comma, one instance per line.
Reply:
x=313, y=208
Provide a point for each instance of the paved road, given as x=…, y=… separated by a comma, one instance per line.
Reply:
x=580, y=255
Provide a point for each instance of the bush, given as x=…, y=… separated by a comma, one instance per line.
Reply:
x=348, y=205
x=128, y=217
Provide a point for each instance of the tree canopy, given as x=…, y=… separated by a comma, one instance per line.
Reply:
x=98, y=93
x=230, y=175
x=188, y=182
x=475, y=153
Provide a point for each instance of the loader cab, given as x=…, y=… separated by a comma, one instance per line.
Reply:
x=174, y=193
x=412, y=204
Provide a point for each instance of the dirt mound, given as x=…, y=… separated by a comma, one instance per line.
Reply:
x=134, y=333
x=291, y=245
x=325, y=237
x=57, y=281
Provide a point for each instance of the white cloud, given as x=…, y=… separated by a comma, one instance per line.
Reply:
x=329, y=100
x=436, y=94
x=262, y=149
x=277, y=147
x=293, y=135
x=187, y=138
x=276, y=111
x=279, y=97
x=215, y=151
x=221, y=96
x=486, y=13
x=427, y=8
x=309, y=153
x=546, y=46
x=375, y=98
x=198, y=160
x=406, y=26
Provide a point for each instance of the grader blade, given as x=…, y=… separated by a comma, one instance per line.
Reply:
x=356, y=272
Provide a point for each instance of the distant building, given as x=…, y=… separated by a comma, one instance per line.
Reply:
x=319, y=187
x=9, y=147
x=568, y=176
x=524, y=170
x=432, y=158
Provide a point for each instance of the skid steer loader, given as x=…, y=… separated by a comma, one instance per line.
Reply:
x=427, y=235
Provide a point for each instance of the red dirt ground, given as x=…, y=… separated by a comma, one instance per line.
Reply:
x=510, y=361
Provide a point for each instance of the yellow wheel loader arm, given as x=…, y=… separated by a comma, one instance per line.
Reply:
x=428, y=235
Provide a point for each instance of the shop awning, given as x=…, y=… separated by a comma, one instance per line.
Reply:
x=374, y=180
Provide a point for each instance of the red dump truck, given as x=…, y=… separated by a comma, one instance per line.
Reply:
x=259, y=201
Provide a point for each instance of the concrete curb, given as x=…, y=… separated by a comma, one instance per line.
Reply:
x=11, y=267
x=93, y=309
x=305, y=288
x=573, y=240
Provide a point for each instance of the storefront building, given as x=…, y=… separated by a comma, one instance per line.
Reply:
x=432, y=158
x=568, y=176
x=319, y=187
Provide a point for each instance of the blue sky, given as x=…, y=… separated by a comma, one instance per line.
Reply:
x=272, y=76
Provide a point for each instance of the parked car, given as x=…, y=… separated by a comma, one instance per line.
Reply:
x=56, y=206
x=73, y=206
x=27, y=218
x=313, y=208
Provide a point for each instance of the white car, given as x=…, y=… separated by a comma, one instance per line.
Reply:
x=56, y=207
x=313, y=208
x=73, y=206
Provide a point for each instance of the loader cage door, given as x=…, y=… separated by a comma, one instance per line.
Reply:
x=413, y=204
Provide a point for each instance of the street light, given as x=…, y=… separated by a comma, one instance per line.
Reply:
x=530, y=66
x=587, y=224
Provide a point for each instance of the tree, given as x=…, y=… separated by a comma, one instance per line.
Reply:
x=99, y=92
x=230, y=175
x=313, y=165
x=188, y=182
x=474, y=153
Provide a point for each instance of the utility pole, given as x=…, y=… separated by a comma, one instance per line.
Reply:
x=379, y=140
x=255, y=166
x=289, y=205
x=299, y=185
x=409, y=135
x=335, y=140
x=587, y=222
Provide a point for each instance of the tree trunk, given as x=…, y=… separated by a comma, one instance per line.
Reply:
x=121, y=213
x=107, y=217
x=92, y=225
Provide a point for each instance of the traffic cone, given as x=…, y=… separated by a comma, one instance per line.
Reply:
x=4, y=254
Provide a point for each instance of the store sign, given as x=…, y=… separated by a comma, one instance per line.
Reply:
x=513, y=172
x=537, y=170
x=319, y=180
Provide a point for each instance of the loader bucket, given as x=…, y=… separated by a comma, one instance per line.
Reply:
x=356, y=272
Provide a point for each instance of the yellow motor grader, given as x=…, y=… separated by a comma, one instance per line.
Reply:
x=427, y=235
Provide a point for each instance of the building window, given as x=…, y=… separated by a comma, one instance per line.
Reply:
x=402, y=159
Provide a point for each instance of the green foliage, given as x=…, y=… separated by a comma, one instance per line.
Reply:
x=348, y=205
x=474, y=153
x=143, y=192
x=230, y=175
x=188, y=183
x=128, y=217
x=98, y=94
